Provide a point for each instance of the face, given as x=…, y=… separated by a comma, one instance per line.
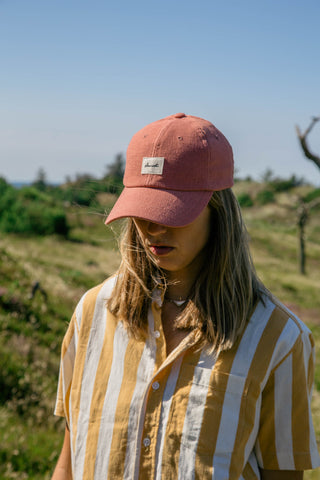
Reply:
x=176, y=250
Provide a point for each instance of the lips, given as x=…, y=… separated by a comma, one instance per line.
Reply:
x=160, y=249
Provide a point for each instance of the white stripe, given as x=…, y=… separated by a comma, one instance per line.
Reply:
x=254, y=464
x=194, y=414
x=233, y=395
x=283, y=416
x=120, y=343
x=75, y=339
x=67, y=368
x=78, y=312
x=164, y=415
x=67, y=362
x=137, y=406
x=253, y=435
x=307, y=354
x=93, y=352
x=259, y=454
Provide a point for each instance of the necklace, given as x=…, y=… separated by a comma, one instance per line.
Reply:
x=178, y=303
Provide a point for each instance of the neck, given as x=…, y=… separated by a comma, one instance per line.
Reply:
x=180, y=283
x=178, y=289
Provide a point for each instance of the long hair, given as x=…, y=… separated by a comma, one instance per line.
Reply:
x=223, y=296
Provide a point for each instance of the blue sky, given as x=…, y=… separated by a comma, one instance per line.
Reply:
x=79, y=78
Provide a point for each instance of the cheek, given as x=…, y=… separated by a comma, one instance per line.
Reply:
x=141, y=231
x=201, y=239
x=202, y=234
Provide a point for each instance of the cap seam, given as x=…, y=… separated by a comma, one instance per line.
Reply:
x=158, y=138
x=208, y=150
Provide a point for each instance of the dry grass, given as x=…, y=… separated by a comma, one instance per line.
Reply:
x=66, y=269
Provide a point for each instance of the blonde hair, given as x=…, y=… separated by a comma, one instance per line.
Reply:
x=224, y=295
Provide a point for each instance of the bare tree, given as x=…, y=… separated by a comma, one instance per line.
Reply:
x=303, y=141
x=304, y=208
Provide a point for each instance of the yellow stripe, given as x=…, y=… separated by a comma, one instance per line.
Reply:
x=248, y=473
x=151, y=424
x=68, y=336
x=257, y=371
x=211, y=419
x=120, y=431
x=59, y=407
x=267, y=433
x=63, y=402
x=161, y=351
x=172, y=441
x=85, y=328
x=300, y=411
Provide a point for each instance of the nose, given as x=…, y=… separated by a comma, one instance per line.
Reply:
x=155, y=228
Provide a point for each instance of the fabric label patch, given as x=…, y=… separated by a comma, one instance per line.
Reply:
x=152, y=165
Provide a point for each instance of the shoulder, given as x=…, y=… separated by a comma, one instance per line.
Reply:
x=99, y=292
x=94, y=301
x=281, y=331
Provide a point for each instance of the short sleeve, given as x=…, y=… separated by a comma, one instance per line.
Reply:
x=286, y=438
x=68, y=352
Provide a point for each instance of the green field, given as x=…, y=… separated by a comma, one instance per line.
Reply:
x=32, y=328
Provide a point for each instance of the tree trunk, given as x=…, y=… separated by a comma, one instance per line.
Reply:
x=302, y=220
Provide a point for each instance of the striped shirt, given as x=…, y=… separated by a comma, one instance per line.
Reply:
x=135, y=413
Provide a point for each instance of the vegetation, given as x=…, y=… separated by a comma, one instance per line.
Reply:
x=44, y=272
x=41, y=209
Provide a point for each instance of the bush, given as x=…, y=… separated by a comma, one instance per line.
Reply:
x=33, y=218
x=312, y=195
x=3, y=186
x=30, y=211
x=33, y=194
x=265, y=196
x=84, y=195
x=245, y=200
x=278, y=184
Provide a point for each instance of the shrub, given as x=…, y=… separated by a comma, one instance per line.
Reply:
x=283, y=185
x=245, y=200
x=3, y=186
x=33, y=218
x=312, y=195
x=33, y=194
x=265, y=196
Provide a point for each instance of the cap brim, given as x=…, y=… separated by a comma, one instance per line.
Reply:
x=166, y=207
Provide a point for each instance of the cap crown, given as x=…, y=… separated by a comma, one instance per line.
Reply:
x=182, y=152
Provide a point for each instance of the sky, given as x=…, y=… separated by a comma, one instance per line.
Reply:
x=79, y=78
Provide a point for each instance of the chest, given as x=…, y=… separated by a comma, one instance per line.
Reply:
x=172, y=334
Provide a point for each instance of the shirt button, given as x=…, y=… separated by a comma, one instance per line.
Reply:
x=146, y=442
x=156, y=333
x=155, y=385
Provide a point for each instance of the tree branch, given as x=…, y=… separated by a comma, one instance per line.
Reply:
x=303, y=141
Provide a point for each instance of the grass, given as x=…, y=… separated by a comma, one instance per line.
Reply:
x=32, y=329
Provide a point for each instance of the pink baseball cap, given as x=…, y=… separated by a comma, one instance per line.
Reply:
x=173, y=166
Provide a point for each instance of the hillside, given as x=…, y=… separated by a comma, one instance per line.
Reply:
x=42, y=278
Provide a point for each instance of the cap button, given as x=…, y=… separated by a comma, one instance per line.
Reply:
x=179, y=115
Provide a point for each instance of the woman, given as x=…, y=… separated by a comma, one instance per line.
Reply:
x=183, y=366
